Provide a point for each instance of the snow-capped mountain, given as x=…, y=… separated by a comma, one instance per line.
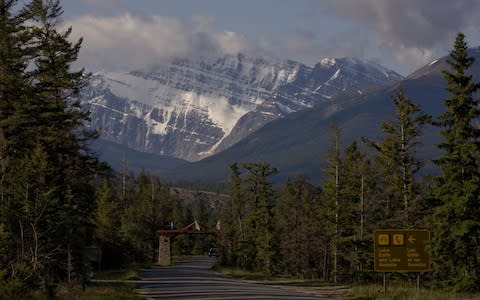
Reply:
x=193, y=109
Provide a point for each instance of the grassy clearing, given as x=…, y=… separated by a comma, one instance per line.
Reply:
x=360, y=292
x=241, y=274
x=259, y=276
x=302, y=282
x=375, y=292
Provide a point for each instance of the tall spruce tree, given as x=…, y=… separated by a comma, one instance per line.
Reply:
x=261, y=222
x=232, y=219
x=46, y=168
x=456, y=220
x=60, y=127
x=398, y=160
x=331, y=204
x=296, y=226
x=14, y=58
x=355, y=187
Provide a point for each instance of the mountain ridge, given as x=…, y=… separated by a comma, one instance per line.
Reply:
x=191, y=110
x=298, y=143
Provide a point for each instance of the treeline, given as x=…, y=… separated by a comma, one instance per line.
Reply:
x=129, y=211
x=46, y=170
x=326, y=231
x=56, y=198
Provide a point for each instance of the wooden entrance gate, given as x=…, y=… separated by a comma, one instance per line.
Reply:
x=166, y=236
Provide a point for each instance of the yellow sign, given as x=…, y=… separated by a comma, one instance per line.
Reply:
x=383, y=239
x=402, y=250
x=398, y=239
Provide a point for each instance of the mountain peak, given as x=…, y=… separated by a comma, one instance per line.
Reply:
x=436, y=67
x=190, y=109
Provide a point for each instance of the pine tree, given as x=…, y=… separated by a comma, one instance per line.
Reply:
x=296, y=227
x=260, y=232
x=107, y=217
x=397, y=159
x=331, y=203
x=456, y=221
x=352, y=215
x=46, y=167
x=14, y=59
x=232, y=227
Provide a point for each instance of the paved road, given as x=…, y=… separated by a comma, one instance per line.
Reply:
x=194, y=279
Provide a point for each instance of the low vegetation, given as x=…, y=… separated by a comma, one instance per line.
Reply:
x=100, y=292
x=375, y=292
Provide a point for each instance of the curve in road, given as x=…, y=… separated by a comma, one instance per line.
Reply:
x=194, y=279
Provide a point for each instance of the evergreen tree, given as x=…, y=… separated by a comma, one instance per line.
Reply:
x=352, y=215
x=232, y=228
x=260, y=231
x=331, y=205
x=107, y=219
x=296, y=227
x=456, y=220
x=397, y=159
x=46, y=168
x=14, y=58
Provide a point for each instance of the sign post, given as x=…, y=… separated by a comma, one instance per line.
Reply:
x=402, y=250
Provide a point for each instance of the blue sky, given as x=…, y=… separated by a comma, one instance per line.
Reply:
x=402, y=35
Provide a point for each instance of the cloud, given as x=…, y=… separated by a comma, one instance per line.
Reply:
x=413, y=31
x=106, y=5
x=126, y=42
x=307, y=47
x=403, y=35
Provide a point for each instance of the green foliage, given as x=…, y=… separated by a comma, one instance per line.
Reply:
x=99, y=292
x=15, y=289
x=46, y=169
x=141, y=218
x=456, y=220
x=398, y=162
x=296, y=223
x=231, y=217
x=248, y=219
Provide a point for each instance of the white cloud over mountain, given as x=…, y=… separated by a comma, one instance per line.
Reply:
x=402, y=35
x=128, y=41
x=413, y=32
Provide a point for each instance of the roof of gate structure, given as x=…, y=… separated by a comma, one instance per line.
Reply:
x=194, y=228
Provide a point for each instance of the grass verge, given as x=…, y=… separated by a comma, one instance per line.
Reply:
x=375, y=292
x=99, y=292
x=259, y=276
x=130, y=272
x=241, y=274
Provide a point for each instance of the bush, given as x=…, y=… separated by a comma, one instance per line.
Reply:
x=14, y=289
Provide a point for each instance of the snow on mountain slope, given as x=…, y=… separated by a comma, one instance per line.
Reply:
x=190, y=110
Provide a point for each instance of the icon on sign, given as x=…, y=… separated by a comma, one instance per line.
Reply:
x=398, y=239
x=411, y=239
x=383, y=240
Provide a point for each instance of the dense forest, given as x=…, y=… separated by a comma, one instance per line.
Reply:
x=57, y=199
x=326, y=231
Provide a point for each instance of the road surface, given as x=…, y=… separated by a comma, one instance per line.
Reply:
x=194, y=279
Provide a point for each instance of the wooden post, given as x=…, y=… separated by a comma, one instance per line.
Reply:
x=384, y=283
x=418, y=284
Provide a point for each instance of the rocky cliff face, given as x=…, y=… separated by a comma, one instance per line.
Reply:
x=191, y=110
